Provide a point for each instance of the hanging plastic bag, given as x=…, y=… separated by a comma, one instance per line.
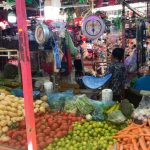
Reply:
x=131, y=62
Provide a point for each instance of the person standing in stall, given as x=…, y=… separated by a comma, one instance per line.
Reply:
x=118, y=71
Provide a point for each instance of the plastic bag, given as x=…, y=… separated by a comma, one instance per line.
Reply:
x=98, y=114
x=70, y=105
x=84, y=104
x=116, y=117
x=102, y=104
x=131, y=62
x=145, y=102
x=99, y=109
x=56, y=101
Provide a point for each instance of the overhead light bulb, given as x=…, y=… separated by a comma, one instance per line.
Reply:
x=12, y=17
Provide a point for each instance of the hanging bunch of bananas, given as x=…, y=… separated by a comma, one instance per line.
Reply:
x=113, y=108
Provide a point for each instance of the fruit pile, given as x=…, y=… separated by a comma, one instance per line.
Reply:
x=90, y=135
x=48, y=127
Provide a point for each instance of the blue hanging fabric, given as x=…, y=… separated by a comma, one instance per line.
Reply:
x=56, y=55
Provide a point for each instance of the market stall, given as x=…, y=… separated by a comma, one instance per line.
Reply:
x=63, y=101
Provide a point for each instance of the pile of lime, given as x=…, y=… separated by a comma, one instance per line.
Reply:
x=90, y=135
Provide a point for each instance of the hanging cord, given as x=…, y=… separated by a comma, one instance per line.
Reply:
x=40, y=3
x=90, y=11
x=92, y=6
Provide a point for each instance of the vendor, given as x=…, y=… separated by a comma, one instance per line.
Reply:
x=118, y=71
x=143, y=83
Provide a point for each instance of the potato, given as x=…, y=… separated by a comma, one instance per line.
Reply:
x=8, y=108
x=38, y=102
x=2, y=107
x=5, y=129
x=2, y=97
x=36, y=110
x=4, y=138
x=3, y=123
x=11, y=114
x=42, y=109
x=44, y=98
x=1, y=112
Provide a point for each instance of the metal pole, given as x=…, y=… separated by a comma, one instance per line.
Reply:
x=137, y=44
x=123, y=27
x=26, y=74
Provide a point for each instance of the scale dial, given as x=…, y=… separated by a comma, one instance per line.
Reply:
x=42, y=34
x=93, y=27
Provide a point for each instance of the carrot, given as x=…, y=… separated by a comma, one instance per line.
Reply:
x=146, y=131
x=142, y=143
x=121, y=147
x=124, y=136
x=147, y=138
x=127, y=146
x=131, y=147
x=135, y=144
x=148, y=122
x=118, y=146
x=145, y=135
x=140, y=130
x=126, y=139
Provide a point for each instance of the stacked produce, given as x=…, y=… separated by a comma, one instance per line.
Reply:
x=48, y=127
x=120, y=112
x=90, y=135
x=12, y=111
x=84, y=105
x=142, y=112
x=134, y=137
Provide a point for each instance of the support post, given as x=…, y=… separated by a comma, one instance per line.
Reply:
x=123, y=26
x=26, y=74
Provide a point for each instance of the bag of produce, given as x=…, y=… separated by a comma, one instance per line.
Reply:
x=126, y=108
x=56, y=101
x=84, y=104
x=142, y=113
x=99, y=109
x=98, y=114
x=116, y=117
x=102, y=104
x=145, y=102
x=70, y=105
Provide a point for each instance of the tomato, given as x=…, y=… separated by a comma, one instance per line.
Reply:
x=40, y=139
x=42, y=127
x=10, y=133
x=42, y=144
x=23, y=142
x=40, y=134
x=47, y=131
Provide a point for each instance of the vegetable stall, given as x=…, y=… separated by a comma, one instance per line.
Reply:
x=66, y=120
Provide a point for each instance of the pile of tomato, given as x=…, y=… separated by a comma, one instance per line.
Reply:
x=49, y=126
